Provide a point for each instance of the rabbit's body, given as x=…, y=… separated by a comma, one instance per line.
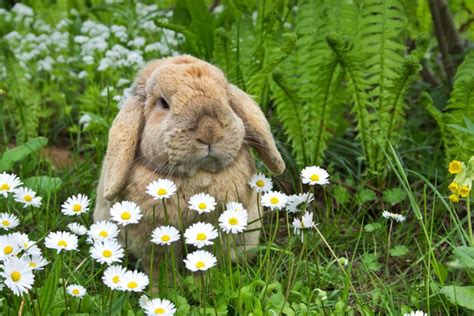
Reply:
x=185, y=123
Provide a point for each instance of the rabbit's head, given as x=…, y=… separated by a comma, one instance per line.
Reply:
x=183, y=116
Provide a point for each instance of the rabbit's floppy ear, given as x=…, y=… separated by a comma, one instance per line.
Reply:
x=123, y=140
x=257, y=129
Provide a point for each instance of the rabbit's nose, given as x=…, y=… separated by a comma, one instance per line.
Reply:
x=208, y=131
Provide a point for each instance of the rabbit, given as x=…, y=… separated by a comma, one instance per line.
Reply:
x=183, y=121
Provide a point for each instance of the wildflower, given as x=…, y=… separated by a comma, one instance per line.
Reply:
x=77, y=229
x=17, y=275
x=465, y=188
x=322, y=295
x=159, y=306
x=233, y=220
x=61, y=241
x=8, y=221
x=27, y=197
x=343, y=261
x=416, y=313
x=113, y=276
x=107, y=251
x=306, y=222
x=8, y=183
x=294, y=201
x=26, y=244
x=455, y=167
x=454, y=198
x=103, y=230
x=161, y=189
x=454, y=187
x=134, y=281
x=35, y=262
x=76, y=290
x=260, y=183
x=396, y=217
x=234, y=206
x=125, y=213
x=314, y=175
x=9, y=246
x=274, y=200
x=200, y=260
x=200, y=234
x=165, y=235
x=202, y=203
x=75, y=205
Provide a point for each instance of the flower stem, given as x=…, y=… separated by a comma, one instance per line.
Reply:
x=469, y=224
x=388, y=247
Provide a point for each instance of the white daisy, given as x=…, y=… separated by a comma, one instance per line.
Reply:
x=396, y=217
x=165, y=235
x=27, y=197
x=294, y=201
x=107, y=251
x=200, y=260
x=76, y=290
x=9, y=246
x=28, y=246
x=260, y=183
x=75, y=205
x=159, y=306
x=234, y=206
x=306, y=222
x=134, y=281
x=103, y=230
x=274, y=200
x=416, y=313
x=202, y=203
x=8, y=183
x=113, y=276
x=8, y=221
x=161, y=189
x=61, y=241
x=200, y=234
x=17, y=275
x=35, y=262
x=233, y=220
x=125, y=213
x=314, y=175
x=77, y=229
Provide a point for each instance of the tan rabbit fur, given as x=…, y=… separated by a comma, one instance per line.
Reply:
x=184, y=122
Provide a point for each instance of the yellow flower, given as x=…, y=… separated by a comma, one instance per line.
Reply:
x=464, y=191
x=454, y=198
x=454, y=187
x=455, y=167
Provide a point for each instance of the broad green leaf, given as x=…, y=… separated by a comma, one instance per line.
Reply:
x=48, y=291
x=341, y=195
x=398, y=251
x=460, y=295
x=44, y=184
x=21, y=152
x=394, y=196
x=465, y=257
x=371, y=261
x=370, y=228
x=365, y=195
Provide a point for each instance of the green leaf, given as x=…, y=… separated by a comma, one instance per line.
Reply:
x=341, y=195
x=48, y=291
x=398, y=251
x=365, y=195
x=21, y=152
x=370, y=228
x=394, y=196
x=465, y=257
x=371, y=261
x=460, y=295
x=44, y=184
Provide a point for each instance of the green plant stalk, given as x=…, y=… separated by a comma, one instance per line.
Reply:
x=469, y=224
x=387, y=256
x=152, y=258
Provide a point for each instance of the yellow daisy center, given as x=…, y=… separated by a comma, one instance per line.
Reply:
x=28, y=198
x=159, y=311
x=202, y=206
x=233, y=221
x=165, y=238
x=103, y=233
x=201, y=236
x=75, y=291
x=5, y=223
x=116, y=279
x=5, y=187
x=76, y=208
x=107, y=253
x=8, y=250
x=125, y=215
x=16, y=276
x=200, y=264
x=32, y=264
x=274, y=200
x=132, y=285
x=162, y=191
x=260, y=183
x=314, y=177
x=62, y=243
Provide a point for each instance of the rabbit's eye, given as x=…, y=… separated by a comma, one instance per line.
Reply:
x=161, y=103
